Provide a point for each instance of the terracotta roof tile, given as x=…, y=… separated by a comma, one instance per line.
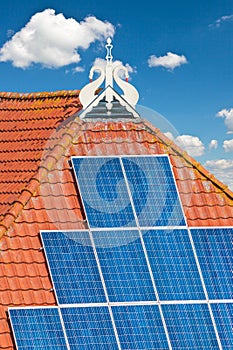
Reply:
x=27, y=122
x=6, y=341
x=39, y=134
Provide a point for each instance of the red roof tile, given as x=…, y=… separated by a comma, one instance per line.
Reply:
x=27, y=122
x=39, y=134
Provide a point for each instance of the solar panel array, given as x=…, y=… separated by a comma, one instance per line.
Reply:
x=138, y=278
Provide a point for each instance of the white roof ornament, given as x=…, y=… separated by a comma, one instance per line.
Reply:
x=109, y=47
x=110, y=74
x=131, y=94
x=87, y=94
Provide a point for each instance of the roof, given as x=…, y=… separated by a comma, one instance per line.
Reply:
x=39, y=134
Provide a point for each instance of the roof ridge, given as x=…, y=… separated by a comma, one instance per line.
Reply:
x=201, y=169
x=39, y=95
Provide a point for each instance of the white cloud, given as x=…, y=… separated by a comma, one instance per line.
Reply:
x=228, y=115
x=213, y=144
x=228, y=145
x=169, y=135
x=78, y=69
x=169, y=61
x=191, y=144
x=53, y=40
x=221, y=20
x=222, y=164
x=222, y=169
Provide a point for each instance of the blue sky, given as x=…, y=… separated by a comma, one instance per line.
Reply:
x=179, y=54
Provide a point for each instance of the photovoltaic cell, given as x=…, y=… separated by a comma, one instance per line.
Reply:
x=124, y=266
x=73, y=267
x=153, y=190
x=104, y=193
x=190, y=327
x=173, y=265
x=36, y=329
x=140, y=327
x=223, y=315
x=214, y=251
x=89, y=328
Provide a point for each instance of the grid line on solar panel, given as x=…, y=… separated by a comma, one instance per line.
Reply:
x=123, y=265
x=153, y=190
x=105, y=198
x=104, y=194
x=214, y=252
x=37, y=328
x=190, y=327
x=223, y=315
x=89, y=328
x=173, y=264
x=137, y=325
x=140, y=327
x=73, y=267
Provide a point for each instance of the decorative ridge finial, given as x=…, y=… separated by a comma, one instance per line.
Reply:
x=109, y=73
x=109, y=47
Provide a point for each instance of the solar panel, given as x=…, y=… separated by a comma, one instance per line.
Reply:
x=190, y=327
x=89, y=328
x=104, y=193
x=214, y=251
x=37, y=328
x=173, y=264
x=73, y=267
x=153, y=189
x=223, y=314
x=138, y=278
x=124, y=266
x=140, y=327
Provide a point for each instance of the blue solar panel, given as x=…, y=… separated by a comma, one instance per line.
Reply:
x=124, y=266
x=153, y=190
x=190, y=327
x=89, y=328
x=107, y=265
x=104, y=193
x=140, y=327
x=36, y=329
x=173, y=265
x=73, y=267
x=214, y=251
x=223, y=315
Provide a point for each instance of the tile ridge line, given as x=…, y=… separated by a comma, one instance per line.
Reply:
x=29, y=191
x=38, y=95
